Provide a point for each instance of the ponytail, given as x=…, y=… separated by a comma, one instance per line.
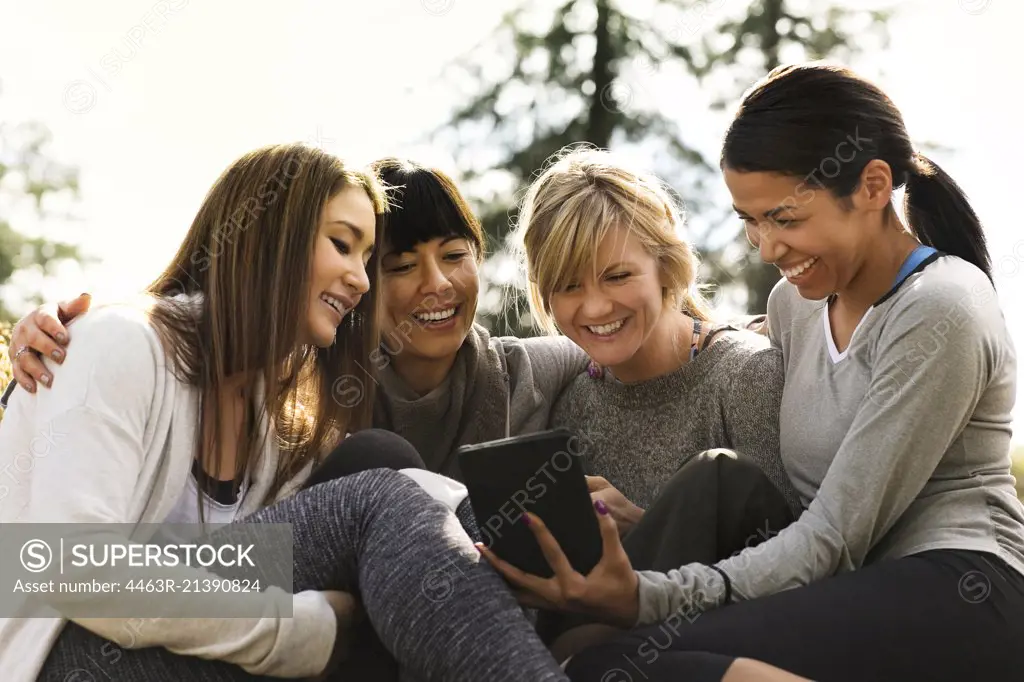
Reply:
x=940, y=215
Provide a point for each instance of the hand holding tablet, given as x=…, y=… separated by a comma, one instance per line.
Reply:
x=545, y=537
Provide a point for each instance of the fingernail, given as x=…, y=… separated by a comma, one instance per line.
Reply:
x=58, y=355
x=30, y=387
x=526, y=519
x=601, y=507
x=45, y=380
x=479, y=548
x=62, y=338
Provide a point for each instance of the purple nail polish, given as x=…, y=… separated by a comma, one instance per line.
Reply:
x=601, y=507
x=526, y=519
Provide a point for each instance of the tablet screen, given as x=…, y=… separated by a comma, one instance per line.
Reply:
x=542, y=473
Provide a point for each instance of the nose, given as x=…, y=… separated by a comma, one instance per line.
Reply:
x=770, y=247
x=435, y=280
x=595, y=304
x=357, y=280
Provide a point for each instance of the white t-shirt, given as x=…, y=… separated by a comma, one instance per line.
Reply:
x=186, y=510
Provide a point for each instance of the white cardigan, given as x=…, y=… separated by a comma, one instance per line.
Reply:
x=118, y=442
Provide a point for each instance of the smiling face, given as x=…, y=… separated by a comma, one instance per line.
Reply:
x=817, y=242
x=338, y=280
x=429, y=298
x=612, y=308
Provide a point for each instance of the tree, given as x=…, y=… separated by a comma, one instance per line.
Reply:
x=573, y=71
x=30, y=179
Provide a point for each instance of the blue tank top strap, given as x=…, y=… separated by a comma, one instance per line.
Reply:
x=916, y=257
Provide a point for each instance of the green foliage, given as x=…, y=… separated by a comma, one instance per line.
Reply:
x=29, y=176
x=566, y=73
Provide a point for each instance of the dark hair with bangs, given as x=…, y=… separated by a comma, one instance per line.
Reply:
x=425, y=204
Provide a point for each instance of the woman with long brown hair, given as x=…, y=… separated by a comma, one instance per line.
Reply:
x=211, y=399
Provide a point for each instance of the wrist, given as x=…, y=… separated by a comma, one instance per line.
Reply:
x=628, y=611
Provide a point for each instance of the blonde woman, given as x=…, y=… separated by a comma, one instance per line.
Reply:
x=680, y=413
x=609, y=267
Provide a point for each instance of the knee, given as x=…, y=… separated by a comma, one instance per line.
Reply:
x=718, y=463
x=603, y=663
x=365, y=450
x=385, y=449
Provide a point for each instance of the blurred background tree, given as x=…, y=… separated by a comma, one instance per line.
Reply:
x=556, y=72
x=33, y=188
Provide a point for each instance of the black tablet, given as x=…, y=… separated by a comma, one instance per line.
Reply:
x=542, y=473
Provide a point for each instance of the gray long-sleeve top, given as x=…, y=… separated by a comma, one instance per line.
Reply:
x=898, y=445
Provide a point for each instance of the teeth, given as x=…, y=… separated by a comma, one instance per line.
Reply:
x=799, y=269
x=438, y=316
x=334, y=303
x=605, y=329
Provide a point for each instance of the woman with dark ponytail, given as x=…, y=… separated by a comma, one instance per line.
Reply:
x=908, y=562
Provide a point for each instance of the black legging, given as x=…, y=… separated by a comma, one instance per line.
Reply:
x=941, y=616
x=718, y=504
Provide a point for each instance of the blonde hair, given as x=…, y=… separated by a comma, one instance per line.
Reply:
x=567, y=211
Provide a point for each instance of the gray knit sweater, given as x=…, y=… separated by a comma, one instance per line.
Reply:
x=639, y=434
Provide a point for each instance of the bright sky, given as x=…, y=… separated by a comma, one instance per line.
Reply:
x=152, y=99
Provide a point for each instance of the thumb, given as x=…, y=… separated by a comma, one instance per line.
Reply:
x=610, y=541
x=69, y=310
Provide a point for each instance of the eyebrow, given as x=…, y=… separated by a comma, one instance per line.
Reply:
x=358, y=231
x=620, y=265
x=770, y=213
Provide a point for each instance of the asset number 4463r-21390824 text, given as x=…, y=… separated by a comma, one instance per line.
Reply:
x=192, y=585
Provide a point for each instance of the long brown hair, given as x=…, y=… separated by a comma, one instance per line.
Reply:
x=248, y=257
